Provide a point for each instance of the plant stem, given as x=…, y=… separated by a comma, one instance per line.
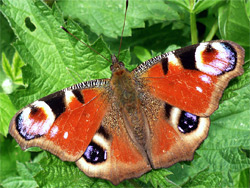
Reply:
x=212, y=31
x=194, y=33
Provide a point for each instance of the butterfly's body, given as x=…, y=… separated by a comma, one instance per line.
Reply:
x=126, y=97
x=122, y=127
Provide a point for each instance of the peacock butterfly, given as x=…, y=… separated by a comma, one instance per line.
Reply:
x=122, y=127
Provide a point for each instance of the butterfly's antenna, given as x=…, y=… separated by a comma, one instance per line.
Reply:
x=84, y=43
x=123, y=28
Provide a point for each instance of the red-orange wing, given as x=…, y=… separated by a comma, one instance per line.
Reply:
x=193, y=78
x=180, y=88
x=175, y=135
x=63, y=123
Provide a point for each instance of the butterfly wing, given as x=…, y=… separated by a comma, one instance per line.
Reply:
x=193, y=78
x=64, y=122
x=175, y=134
x=112, y=153
x=182, y=88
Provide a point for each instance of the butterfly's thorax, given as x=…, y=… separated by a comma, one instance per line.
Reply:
x=124, y=90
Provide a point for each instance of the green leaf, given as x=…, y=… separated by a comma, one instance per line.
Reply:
x=7, y=37
x=248, y=8
x=49, y=51
x=7, y=67
x=202, y=5
x=158, y=178
x=7, y=111
x=108, y=16
x=10, y=154
x=13, y=72
x=16, y=69
x=57, y=173
x=28, y=169
x=233, y=22
x=206, y=179
x=242, y=179
x=142, y=53
x=26, y=172
x=172, y=48
x=179, y=3
x=156, y=37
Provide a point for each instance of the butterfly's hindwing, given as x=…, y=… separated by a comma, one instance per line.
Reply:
x=175, y=135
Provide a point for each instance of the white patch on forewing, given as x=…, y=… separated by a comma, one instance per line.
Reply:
x=198, y=52
x=219, y=64
x=173, y=59
x=66, y=134
x=206, y=79
x=37, y=127
x=199, y=89
x=68, y=97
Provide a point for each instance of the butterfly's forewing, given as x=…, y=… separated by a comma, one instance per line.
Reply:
x=64, y=122
x=193, y=78
x=184, y=87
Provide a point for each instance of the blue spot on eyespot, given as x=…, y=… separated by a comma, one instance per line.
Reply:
x=95, y=154
x=188, y=122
